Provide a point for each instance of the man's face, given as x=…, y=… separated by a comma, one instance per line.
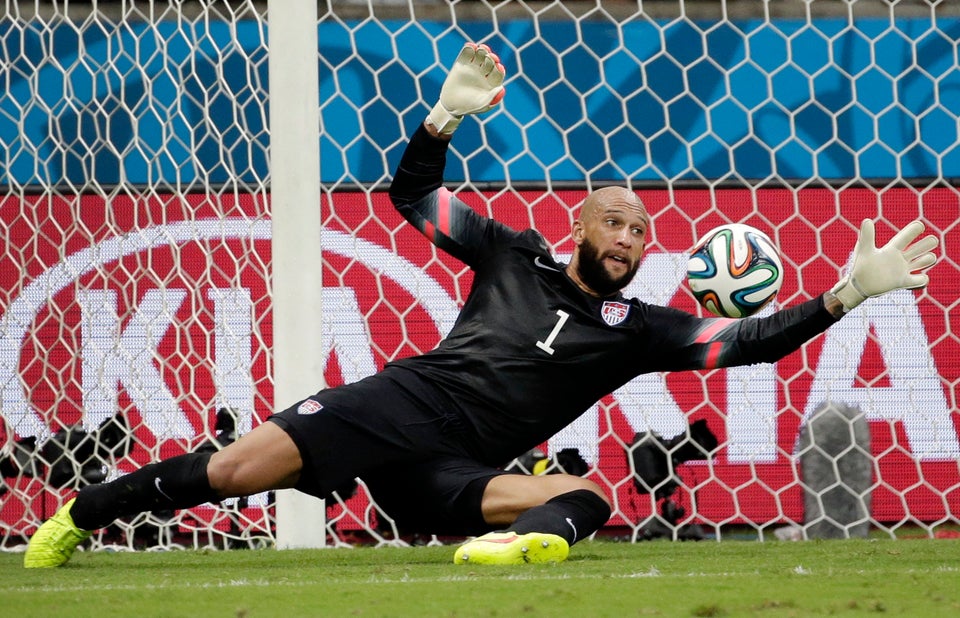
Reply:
x=611, y=236
x=594, y=270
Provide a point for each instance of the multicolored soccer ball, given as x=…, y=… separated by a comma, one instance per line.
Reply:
x=734, y=270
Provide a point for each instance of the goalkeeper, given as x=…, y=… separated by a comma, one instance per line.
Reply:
x=536, y=344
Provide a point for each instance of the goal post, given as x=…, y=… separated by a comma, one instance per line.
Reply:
x=296, y=279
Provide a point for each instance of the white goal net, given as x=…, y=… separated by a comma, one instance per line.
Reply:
x=135, y=298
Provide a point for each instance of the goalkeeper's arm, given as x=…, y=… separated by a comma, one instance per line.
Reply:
x=877, y=270
x=473, y=86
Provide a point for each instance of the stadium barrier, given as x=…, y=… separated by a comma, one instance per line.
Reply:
x=156, y=310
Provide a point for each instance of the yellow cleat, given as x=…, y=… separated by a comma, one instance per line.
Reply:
x=513, y=548
x=53, y=542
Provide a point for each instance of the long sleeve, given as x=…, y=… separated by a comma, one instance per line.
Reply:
x=418, y=194
x=421, y=168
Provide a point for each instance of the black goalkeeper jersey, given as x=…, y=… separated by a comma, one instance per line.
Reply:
x=530, y=350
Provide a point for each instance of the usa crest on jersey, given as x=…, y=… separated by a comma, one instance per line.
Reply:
x=309, y=407
x=614, y=312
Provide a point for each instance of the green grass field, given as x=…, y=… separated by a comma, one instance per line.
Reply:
x=601, y=578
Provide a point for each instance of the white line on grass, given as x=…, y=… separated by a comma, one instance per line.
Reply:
x=263, y=583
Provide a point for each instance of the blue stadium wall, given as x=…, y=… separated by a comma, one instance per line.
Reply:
x=883, y=104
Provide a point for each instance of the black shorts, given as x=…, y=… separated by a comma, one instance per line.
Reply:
x=403, y=438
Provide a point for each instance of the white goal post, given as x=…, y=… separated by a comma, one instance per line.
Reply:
x=197, y=233
x=295, y=217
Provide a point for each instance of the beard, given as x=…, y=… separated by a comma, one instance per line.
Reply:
x=595, y=274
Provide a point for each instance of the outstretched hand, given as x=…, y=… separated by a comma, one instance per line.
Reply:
x=895, y=266
x=473, y=86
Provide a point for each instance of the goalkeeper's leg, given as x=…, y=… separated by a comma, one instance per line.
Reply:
x=543, y=515
x=266, y=458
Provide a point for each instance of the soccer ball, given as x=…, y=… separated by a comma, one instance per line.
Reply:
x=734, y=270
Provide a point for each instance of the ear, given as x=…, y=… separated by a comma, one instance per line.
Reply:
x=576, y=232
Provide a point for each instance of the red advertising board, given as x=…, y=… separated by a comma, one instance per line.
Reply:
x=158, y=308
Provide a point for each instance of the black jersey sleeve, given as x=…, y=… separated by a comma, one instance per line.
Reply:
x=420, y=171
x=418, y=193
x=697, y=343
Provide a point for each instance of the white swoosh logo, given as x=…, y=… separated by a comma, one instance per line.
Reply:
x=156, y=483
x=540, y=264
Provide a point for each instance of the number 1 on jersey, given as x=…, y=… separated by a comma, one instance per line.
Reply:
x=547, y=346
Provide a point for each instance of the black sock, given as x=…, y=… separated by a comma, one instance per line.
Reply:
x=176, y=483
x=574, y=515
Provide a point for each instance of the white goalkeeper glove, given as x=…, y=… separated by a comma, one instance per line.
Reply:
x=891, y=267
x=473, y=86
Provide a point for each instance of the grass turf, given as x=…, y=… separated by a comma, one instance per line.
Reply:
x=601, y=578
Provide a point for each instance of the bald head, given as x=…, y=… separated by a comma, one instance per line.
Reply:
x=610, y=236
x=612, y=197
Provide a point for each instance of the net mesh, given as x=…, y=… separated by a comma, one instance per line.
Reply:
x=136, y=309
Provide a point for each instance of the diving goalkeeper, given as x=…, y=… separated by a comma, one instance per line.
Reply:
x=536, y=344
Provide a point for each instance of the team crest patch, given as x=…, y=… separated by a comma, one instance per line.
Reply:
x=613, y=312
x=309, y=407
